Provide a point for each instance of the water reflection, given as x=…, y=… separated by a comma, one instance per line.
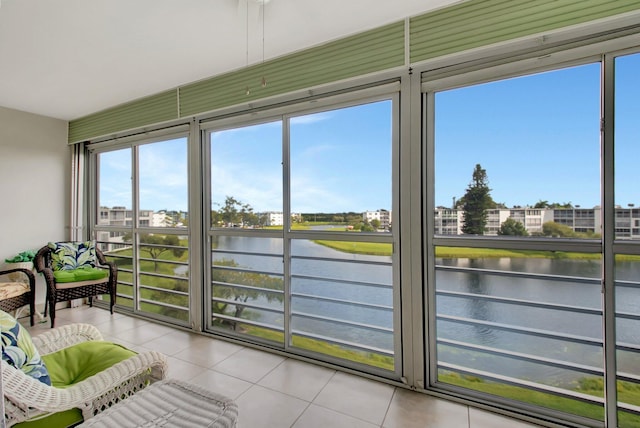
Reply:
x=521, y=328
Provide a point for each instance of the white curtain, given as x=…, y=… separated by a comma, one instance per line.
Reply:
x=77, y=192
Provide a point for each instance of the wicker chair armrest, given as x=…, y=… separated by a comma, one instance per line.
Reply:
x=30, y=392
x=30, y=276
x=62, y=337
x=41, y=260
x=49, y=279
x=102, y=261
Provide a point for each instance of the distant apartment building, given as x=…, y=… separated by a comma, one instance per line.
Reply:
x=121, y=216
x=383, y=216
x=274, y=218
x=628, y=223
x=449, y=221
x=580, y=219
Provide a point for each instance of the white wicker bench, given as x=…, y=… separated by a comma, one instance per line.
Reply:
x=171, y=404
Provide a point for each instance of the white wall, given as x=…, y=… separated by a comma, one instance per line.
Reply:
x=35, y=180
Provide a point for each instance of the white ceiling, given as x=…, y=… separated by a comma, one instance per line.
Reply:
x=69, y=58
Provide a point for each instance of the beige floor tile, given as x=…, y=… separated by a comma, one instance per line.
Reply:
x=115, y=326
x=320, y=417
x=356, y=396
x=249, y=364
x=483, y=419
x=297, y=378
x=172, y=343
x=221, y=383
x=182, y=370
x=265, y=408
x=410, y=409
x=145, y=333
x=86, y=314
x=129, y=345
x=208, y=352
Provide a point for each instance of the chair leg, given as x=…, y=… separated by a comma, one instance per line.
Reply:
x=52, y=313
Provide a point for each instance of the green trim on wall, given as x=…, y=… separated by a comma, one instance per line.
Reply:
x=368, y=52
x=145, y=111
x=463, y=26
x=477, y=23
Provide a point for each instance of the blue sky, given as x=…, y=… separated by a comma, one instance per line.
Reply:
x=340, y=161
x=536, y=136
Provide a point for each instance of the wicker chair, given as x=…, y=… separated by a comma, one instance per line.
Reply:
x=19, y=295
x=75, y=290
x=26, y=397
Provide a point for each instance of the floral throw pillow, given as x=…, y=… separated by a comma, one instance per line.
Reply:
x=18, y=349
x=72, y=255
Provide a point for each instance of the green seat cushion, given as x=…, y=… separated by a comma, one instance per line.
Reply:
x=72, y=365
x=86, y=273
x=68, y=418
x=78, y=362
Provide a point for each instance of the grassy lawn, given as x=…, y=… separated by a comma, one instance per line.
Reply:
x=381, y=249
x=321, y=347
x=370, y=248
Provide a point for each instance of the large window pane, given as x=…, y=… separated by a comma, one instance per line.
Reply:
x=627, y=227
x=247, y=280
x=341, y=168
x=520, y=156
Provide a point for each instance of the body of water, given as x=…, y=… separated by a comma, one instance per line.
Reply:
x=354, y=278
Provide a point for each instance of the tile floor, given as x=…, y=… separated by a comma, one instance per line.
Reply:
x=278, y=392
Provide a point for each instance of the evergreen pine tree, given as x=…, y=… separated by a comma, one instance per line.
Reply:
x=477, y=201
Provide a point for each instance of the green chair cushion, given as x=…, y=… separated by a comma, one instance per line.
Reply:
x=72, y=255
x=72, y=365
x=85, y=273
x=67, y=419
x=78, y=362
x=18, y=349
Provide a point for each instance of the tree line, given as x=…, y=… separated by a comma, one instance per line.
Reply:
x=235, y=213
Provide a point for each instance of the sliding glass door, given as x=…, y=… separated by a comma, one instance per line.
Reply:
x=516, y=240
x=141, y=223
x=627, y=234
x=301, y=232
